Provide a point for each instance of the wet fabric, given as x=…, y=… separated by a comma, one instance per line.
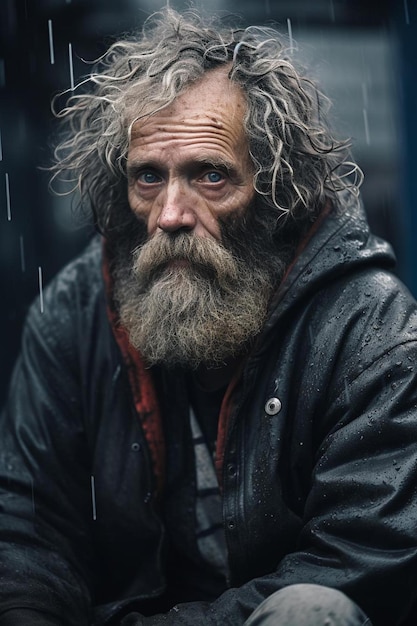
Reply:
x=317, y=463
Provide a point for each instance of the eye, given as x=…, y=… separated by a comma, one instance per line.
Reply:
x=214, y=177
x=149, y=178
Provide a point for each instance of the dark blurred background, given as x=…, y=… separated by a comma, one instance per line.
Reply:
x=364, y=54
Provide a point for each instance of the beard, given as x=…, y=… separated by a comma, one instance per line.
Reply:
x=188, y=300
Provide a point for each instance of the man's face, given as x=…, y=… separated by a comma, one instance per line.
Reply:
x=188, y=165
x=197, y=290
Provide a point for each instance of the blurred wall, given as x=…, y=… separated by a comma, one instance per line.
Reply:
x=364, y=58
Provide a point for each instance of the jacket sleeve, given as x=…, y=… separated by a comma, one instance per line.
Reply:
x=45, y=497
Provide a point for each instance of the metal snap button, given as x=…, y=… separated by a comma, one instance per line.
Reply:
x=273, y=406
x=231, y=470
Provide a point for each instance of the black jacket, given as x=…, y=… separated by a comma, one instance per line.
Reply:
x=319, y=487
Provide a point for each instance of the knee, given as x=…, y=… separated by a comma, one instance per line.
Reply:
x=308, y=605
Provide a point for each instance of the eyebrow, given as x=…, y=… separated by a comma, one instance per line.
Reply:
x=205, y=161
x=135, y=167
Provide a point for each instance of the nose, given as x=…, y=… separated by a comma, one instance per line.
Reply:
x=176, y=212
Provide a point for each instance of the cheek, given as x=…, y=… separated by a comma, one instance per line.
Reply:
x=140, y=212
x=238, y=202
x=131, y=197
x=138, y=205
x=209, y=226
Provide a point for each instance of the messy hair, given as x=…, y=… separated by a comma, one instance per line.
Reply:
x=298, y=164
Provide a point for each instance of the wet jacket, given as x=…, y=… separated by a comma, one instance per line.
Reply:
x=317, y=452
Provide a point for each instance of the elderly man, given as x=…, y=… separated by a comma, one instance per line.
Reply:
x=214, y=419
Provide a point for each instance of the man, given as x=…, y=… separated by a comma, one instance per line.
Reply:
x=214, y=419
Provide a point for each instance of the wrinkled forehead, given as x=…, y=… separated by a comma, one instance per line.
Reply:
x=213, y=101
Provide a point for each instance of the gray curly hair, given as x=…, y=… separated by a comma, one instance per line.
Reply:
x=298, y=164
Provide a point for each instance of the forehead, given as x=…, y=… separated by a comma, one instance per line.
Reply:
x=209, y=112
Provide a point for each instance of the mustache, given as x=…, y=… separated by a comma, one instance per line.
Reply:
x=206, y=256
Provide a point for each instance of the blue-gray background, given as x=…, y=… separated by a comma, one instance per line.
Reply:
x=363, y=53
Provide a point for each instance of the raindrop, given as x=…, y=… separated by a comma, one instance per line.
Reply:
x=40, y=289
x=51, y=43
x=365, y=95
x=366, y=125
x=9, y=212
x=116, y=374
x=406, y=12
x=93, y=498
x=290, y=35
x=22, y=254
x=71, y=66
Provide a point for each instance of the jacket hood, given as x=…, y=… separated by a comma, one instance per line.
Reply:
x=341, y=244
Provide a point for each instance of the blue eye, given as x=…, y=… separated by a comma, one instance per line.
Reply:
x=149, y=178
x=214, y=177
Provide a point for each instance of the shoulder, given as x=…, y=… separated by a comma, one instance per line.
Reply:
x=81, y=277
x=369, y=298
x=364, y=322
x=70, y=300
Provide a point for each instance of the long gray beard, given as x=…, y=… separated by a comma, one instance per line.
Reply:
x=188, y=300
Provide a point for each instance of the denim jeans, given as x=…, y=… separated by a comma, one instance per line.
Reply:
x=308, y=605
